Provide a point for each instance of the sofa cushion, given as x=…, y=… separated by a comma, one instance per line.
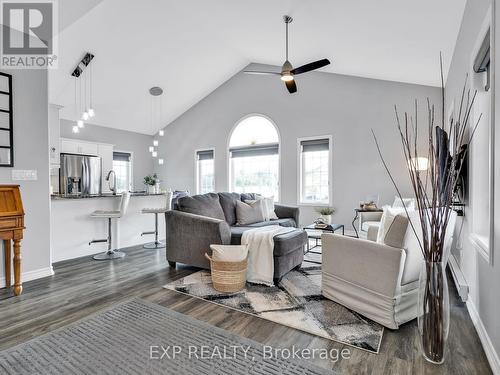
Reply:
x=287, y=242
x=204, y=205
x=237, y=231
x=228, y=204
x=249, y=213
x=283, y=243
x=248, y=196
x=285, y=222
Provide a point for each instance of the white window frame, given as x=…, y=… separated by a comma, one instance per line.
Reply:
x=484, y=248
x=132, y=185
x=228, y=153
x=196, y=175
x=330, y=170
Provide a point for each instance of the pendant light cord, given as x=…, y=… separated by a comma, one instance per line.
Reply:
x=286, y=24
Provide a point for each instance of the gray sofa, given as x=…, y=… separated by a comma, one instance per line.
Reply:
x=201, y=220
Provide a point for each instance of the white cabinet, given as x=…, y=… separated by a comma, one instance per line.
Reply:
x=73, y=146
x=105, y=151
x=54, y=134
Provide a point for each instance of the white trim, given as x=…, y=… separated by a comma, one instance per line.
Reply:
x=280, y=145
x=197, y=188
x=486, y=251
x=488, y=347
x=330, y=171
x=459, y=279
x=31, y=275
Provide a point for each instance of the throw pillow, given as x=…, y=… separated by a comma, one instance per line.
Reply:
x=386, y=221
x=249, y=213
x=409, y=203
x=267, y=207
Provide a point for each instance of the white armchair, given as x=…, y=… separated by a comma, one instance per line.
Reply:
x=377, y=280
x=370, y=221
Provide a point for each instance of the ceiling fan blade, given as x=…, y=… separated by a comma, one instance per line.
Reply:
x=311, y=66
x=291, y=86
x=261, y=73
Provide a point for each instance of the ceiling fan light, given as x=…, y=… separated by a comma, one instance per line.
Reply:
x=286, y=77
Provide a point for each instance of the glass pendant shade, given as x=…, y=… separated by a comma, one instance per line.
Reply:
x=161, y=133
x=91, y=112
x=75, y=129
x=160, y=161
x=154, y=154
x=80, y=124
x=85, y=116
x=151, y=148
x=155, y=142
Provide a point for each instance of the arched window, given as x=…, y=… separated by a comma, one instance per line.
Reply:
x=254, y=157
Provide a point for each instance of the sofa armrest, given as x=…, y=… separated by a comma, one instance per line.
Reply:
x=372, y=233
x=363, y=263
x=189, y=237
x=285, y=212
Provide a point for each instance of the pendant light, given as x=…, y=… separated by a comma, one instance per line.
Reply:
x=91, y=111
x=155, y=92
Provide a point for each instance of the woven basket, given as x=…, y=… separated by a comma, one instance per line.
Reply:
x=228, y=277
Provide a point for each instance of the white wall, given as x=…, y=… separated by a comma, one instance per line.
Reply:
x=482, y=277
x=31, y=148
x=123, y=140
x=344, y=106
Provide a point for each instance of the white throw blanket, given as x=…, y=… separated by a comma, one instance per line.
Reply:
x=260, y=246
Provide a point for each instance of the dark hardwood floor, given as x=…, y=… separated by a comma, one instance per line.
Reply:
x=83, y=286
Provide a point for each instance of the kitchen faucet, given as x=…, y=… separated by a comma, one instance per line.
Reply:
x=113, y=189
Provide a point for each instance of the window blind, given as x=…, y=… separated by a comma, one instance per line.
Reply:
x=205, y=155
x=315, y=145
x=254, y=150
x=121, y=156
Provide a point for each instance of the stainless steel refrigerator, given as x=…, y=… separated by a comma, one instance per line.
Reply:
x=80, y=175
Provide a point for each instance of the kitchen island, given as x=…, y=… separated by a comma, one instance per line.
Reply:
x=72, y=227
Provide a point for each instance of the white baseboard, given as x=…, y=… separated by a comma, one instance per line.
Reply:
x=31, y=275
x=488, y=347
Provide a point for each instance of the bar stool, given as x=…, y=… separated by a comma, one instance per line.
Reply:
x=168, y=206
x=110, y=253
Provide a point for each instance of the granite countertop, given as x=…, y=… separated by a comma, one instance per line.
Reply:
x=103, y=195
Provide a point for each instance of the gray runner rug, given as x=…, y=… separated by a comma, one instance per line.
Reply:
x=138, y=337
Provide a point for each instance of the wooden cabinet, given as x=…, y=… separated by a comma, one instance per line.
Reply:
x=105, y=151
x=11, y=231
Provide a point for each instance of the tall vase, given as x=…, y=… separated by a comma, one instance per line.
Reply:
x=434, y=311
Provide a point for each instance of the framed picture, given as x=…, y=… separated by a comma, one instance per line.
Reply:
x=6, y=121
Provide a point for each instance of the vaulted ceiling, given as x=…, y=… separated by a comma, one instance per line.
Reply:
x=191, y=47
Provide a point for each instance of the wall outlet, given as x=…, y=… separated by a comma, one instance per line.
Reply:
x=24, y=175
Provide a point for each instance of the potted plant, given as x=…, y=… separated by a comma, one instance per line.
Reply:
x=152, y=183
x=434, y=187
x=326, y=213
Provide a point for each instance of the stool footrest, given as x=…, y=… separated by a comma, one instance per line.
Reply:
x=97, y=241
x=144, y=233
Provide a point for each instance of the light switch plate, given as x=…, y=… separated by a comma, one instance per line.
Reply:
x=24, y=175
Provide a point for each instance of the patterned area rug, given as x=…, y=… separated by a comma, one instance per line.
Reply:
x=297, y=302
x=139, y=337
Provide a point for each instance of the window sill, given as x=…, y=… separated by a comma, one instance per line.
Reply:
x=481, y=244
x=313, y=204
